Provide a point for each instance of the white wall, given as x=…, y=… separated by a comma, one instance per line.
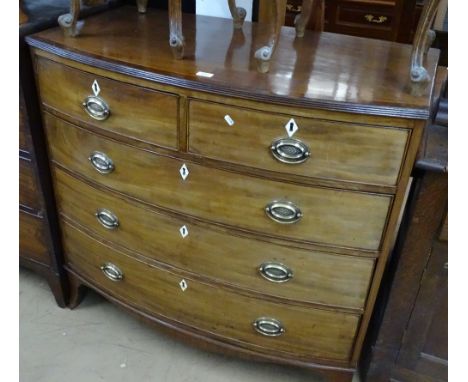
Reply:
x=220, y=8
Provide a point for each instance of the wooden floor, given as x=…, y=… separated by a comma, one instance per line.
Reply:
x=98, y=342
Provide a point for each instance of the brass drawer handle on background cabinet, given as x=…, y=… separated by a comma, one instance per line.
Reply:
x=275, y=272
x=269, y=327
x=107, y=218
x=96, y=108
x=290, y=150
x=112, y=272
x=283, y=212
x=375, y=20
x=101, y=162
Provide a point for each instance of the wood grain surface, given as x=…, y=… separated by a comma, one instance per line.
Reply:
x=32, y=242
x=218, y=312
x=135, y=112
x=28, y=191
x=324, y=70
x=339, y=151
x=339, y=218
x=318, y=278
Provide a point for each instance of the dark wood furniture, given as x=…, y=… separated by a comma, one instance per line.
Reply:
x=394, y=20
x=411, y=342
x=246, y=213
x=39, y=247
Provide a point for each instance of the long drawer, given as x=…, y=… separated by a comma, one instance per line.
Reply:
x=135, y=112
x=218, y=312
x=248, y=263
x=327, y=216
x=321, y=149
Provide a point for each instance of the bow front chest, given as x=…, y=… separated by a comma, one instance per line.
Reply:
x=248, y=213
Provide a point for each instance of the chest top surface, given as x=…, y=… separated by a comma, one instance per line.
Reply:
x=321, y=70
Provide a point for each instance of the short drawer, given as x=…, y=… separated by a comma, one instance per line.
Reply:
x=217, y=254
x=321, y=215
x=219, y=312
x=28, y=192
x=134, y=112
x=336, y=150
x=32, y=243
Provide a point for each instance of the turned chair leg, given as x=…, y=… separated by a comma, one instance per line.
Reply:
x=176, y=38
x=422, y=41
x=301, y=20
x=141, y=5
x=238, y=14
x=264, y=54
x=69, y=21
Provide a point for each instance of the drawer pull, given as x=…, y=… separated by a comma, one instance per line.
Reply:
x=376, y=20
x=268, y=326
x=96, y=108
x=283, y=212
x=290, y=150
x=112, y=272
x=275, y=272
x=107, y=218
x=101, y=162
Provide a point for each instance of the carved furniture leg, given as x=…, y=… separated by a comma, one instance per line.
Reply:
x=301, y=20
x=77, y=291
x=422, y=42
x=69, y=21
x=238, y=14
x=141, y=5
x=176, y=38
x=264, y=54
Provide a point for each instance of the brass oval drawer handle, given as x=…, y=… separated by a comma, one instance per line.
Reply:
x=101, y=162
x=283, y=212
x=275, y=272
x=107, y=218
x=376, y=20
x=290, y=150
x=269, y=327
x=112, y=272
x=96, y=108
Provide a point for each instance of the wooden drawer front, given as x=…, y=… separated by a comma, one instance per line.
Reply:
x=317, y=277
x=32, y=238
x=338, y=151
x=28, y=192
x=333, y=217
x=135, y=112
x=361, y=15
x=211, y=308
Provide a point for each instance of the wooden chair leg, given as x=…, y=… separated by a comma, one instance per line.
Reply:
x=301, y=20
x=142, y=5
x=77, y=291
x=176, y=38
x=238, y=14
x=69, y=21
x=422, y=42
x=264, y=54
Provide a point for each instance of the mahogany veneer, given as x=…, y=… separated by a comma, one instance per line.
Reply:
x=171, y=179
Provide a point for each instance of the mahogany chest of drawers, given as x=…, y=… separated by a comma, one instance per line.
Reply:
x=247, y=213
